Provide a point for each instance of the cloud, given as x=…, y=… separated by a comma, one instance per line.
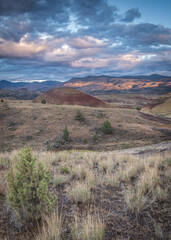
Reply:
x=88, y=42
x=55, y=38
x=130, y=15
x=20, y=50
x=37, y=7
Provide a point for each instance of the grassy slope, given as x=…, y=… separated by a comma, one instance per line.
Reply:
x=159, y=106
x=163, y=109
x=24, y=122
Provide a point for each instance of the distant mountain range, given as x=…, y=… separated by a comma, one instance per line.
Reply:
x=152, y=84
x=156, y=84
x=32, y=86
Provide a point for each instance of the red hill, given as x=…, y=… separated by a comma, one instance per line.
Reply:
x=69, y=96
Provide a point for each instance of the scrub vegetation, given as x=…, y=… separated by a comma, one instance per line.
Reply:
x=92, y=195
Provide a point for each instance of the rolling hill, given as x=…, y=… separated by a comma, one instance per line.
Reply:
x=69, y=96
x=159, y=106
x=154, y=84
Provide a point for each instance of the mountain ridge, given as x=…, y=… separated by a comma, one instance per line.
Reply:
x=150, y=84
x=156, y=84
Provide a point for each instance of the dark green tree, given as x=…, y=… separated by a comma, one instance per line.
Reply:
x=43, y=101
x=95, y=138
x=79, y=116
x=65, y=134
x=107, y=128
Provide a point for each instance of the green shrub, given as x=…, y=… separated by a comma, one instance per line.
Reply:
x=79, y=116
x=65, y=135
x=138, y=108
x=28, y=182
x=107, y=128
x=95, y=138
x=2, y=100
x=43, y=101
x=85, y=140
x=12, y=124
x=64, y=169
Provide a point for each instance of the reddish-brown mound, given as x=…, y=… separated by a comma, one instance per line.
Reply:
x=69, y=96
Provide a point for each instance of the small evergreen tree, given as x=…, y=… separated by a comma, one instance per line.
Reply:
x=43, y=101
x=138, y=108
x=28, y=193
x=79, y=116
x=107, y=128
x=65, y=134
x=95, y=138
x=85, y=140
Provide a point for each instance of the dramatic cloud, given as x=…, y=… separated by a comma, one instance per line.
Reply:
x=56, y=39
x=131, y=14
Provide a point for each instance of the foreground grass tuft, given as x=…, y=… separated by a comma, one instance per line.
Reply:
x=52, y=227
x=79, y=192
x=89, y=228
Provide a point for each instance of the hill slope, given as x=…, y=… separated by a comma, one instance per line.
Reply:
x=159, y=106
x=155, y=84
x=69, y=96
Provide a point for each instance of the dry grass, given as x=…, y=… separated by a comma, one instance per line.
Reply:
x=112, y=180
x=52, y=227
x=135, y=200
x=3, y=186
x=89, y=228
x=79, y=172
x=59, y=180
x=150, y=186
x=140, y=184
x=45, y=123
x=78, y=192
x=6, y=159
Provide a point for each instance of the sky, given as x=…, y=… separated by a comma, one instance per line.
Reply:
x=61, y=39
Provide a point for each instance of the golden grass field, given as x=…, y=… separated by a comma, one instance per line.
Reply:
x=101, y=196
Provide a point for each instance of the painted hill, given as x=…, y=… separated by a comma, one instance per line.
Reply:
x=69, y=96
x=154, y=84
